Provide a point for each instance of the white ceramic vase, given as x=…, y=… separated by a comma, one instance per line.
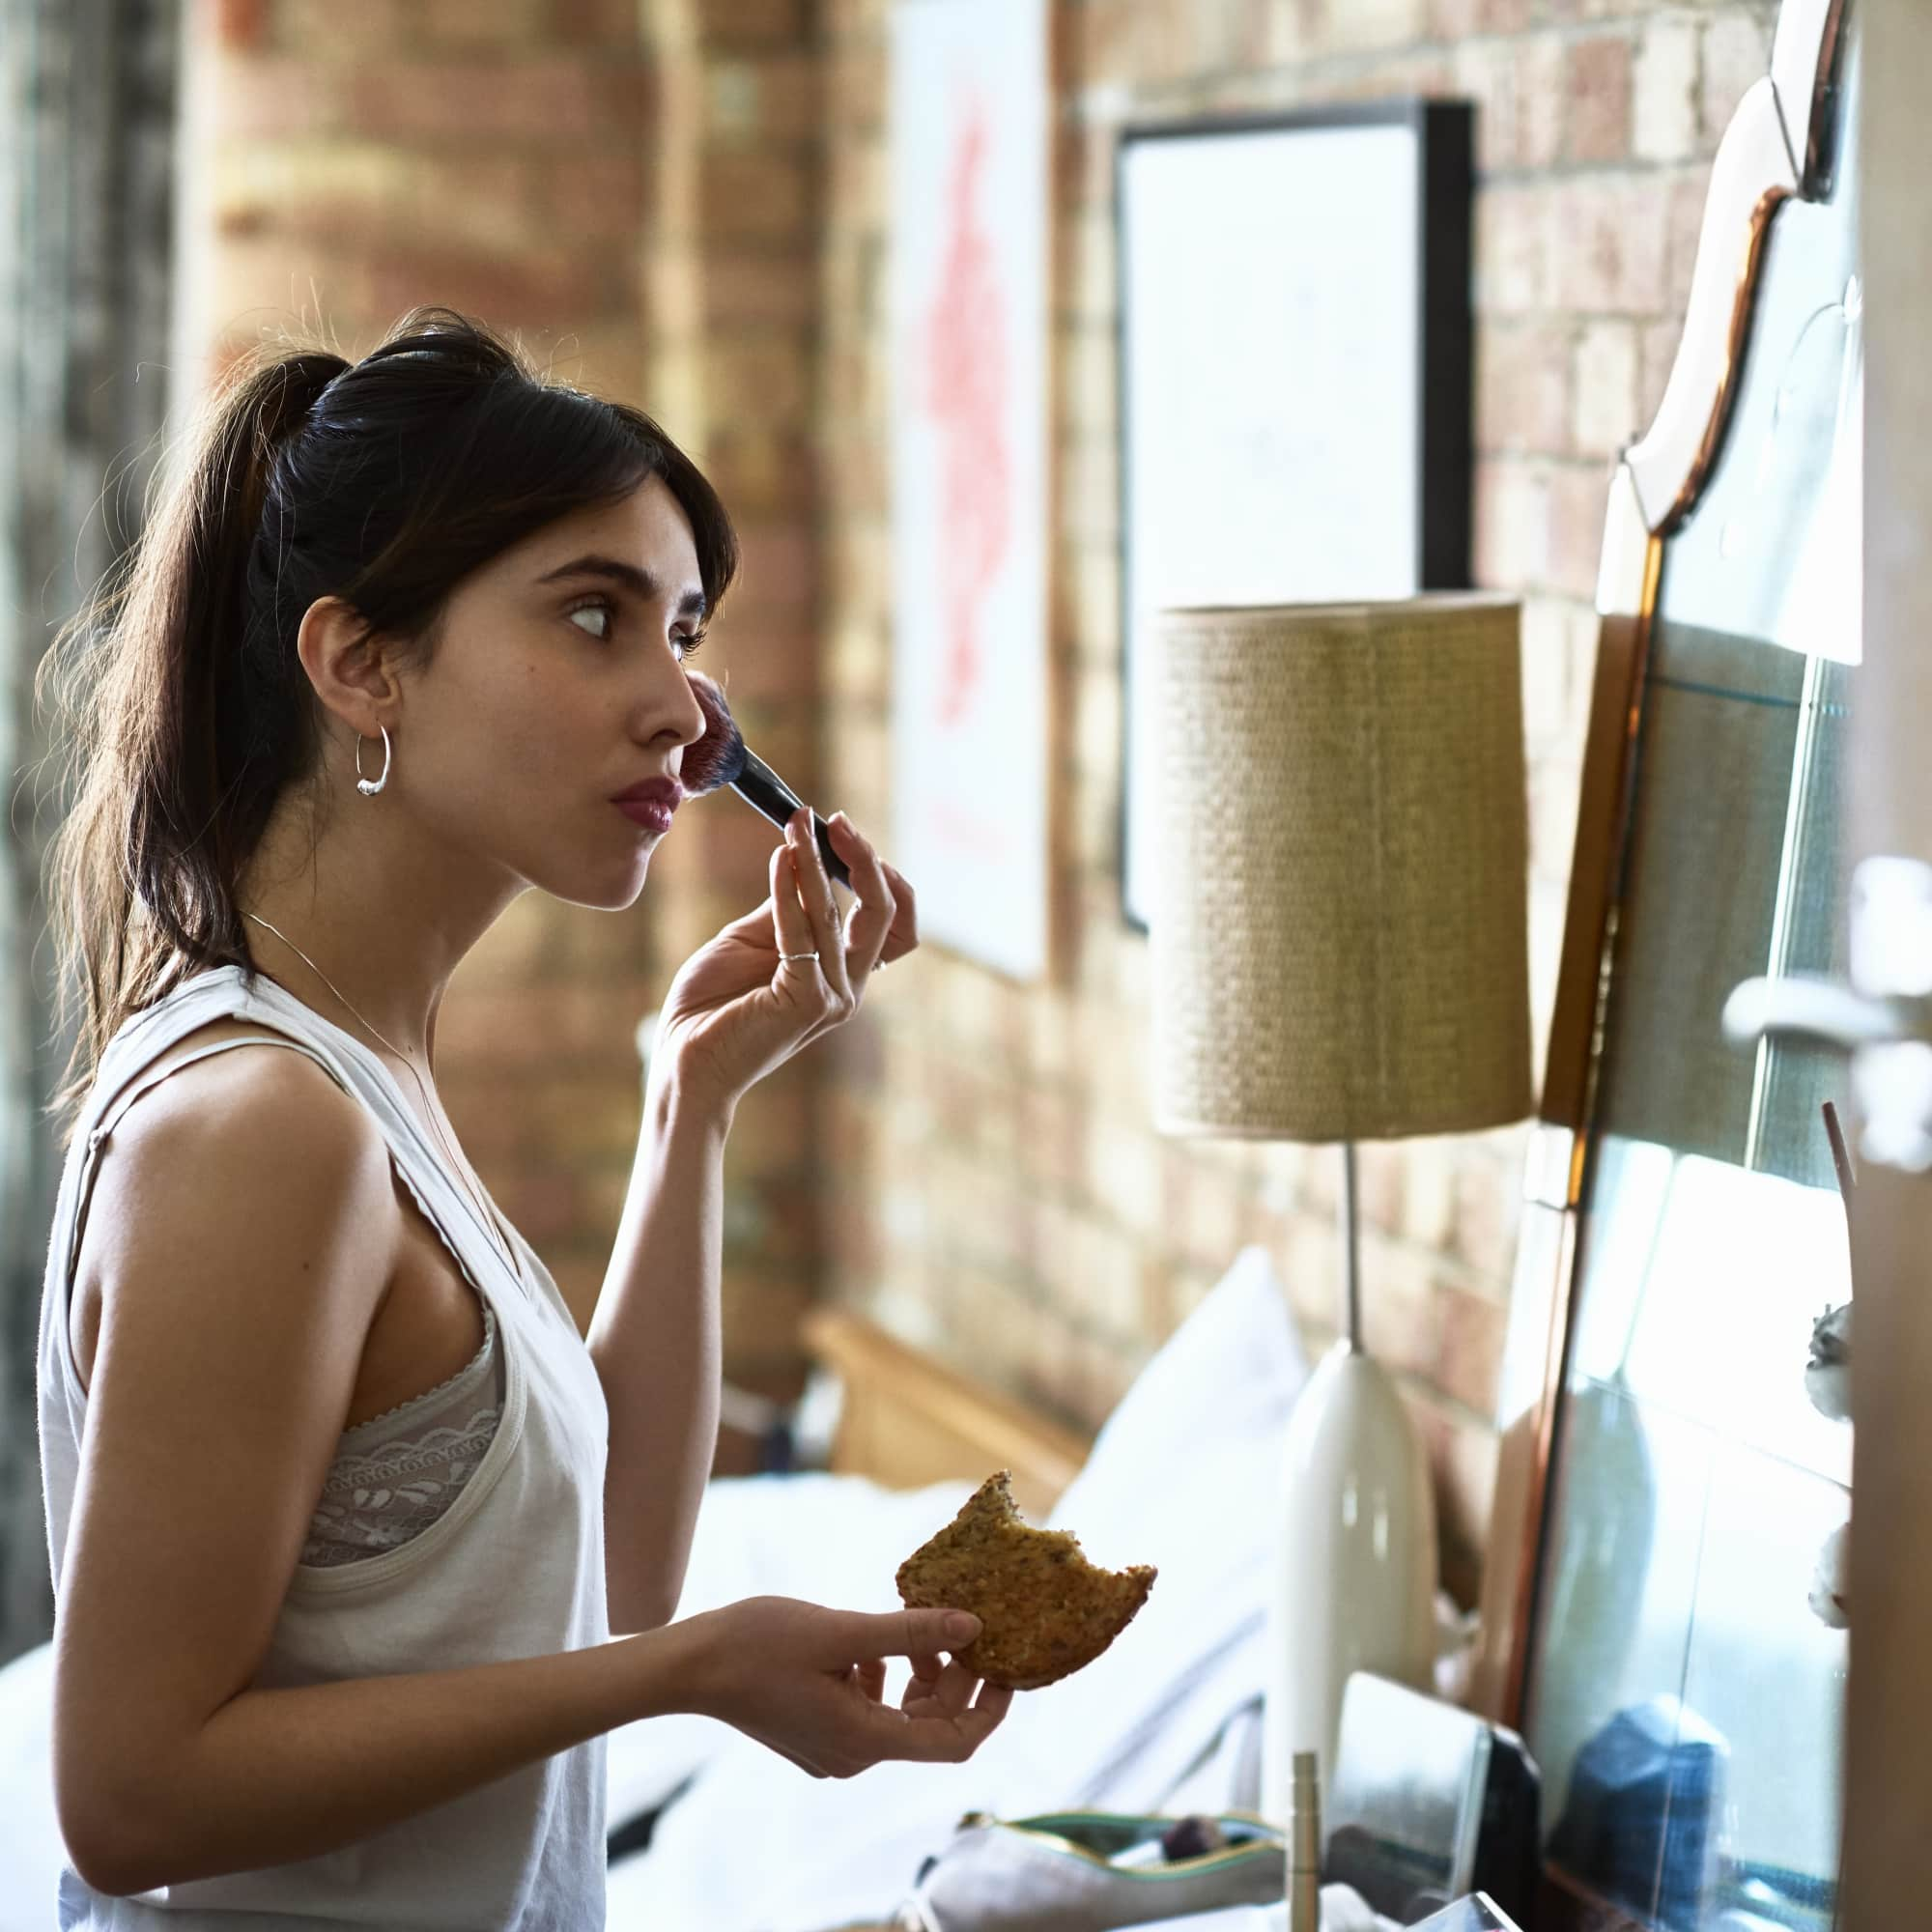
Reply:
x=1355, y=1574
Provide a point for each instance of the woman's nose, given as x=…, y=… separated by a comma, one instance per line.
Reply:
x=674, y=706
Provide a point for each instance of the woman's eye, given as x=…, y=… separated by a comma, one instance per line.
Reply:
x=686, y=642
x=600, y=610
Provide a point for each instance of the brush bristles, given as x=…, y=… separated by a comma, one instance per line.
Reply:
x=717, y=758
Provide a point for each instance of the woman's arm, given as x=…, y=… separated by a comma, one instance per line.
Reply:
x=655, y=1344
x=276, y=1775
x=741, y=1006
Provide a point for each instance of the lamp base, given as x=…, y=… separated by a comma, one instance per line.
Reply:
x=1354, y=1582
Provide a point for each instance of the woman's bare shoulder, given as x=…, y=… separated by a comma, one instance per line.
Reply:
x=214, y=1155
x=217, y=1118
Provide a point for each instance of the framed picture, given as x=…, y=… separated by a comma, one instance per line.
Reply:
x=968, y=307
x=1294, y=382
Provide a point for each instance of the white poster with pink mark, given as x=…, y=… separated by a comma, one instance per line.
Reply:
x=971, y=195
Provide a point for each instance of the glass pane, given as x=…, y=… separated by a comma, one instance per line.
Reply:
x=1686, y=1698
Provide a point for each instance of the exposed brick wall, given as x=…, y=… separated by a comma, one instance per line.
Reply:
x=1001, y=1189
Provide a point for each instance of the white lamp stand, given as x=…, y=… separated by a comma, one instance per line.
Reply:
x=1355, y=1573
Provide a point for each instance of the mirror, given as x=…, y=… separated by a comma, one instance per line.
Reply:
x=1684, y=1695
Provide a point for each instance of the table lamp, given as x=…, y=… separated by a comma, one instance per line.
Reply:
x=1341, y=953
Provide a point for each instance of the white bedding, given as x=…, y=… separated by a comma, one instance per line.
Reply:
x=1182, y=1477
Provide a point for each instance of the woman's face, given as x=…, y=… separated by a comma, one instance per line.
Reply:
x=558, y=683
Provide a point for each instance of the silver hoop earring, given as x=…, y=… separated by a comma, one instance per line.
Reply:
x=369, y=788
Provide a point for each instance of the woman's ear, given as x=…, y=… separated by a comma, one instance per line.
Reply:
x=346, y=666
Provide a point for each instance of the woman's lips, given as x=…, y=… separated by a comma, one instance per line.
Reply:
x=653, y=814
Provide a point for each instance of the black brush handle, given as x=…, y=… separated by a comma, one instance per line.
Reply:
x=760, y=785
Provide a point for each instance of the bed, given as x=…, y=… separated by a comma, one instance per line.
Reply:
x=1167, y=1719
x=1181, y=1476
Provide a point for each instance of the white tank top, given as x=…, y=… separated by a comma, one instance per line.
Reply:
x=514, y=1568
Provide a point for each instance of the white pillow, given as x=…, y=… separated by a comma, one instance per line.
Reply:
x=1230, y=1373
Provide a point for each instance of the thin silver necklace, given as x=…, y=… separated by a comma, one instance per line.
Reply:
x=429, y=1111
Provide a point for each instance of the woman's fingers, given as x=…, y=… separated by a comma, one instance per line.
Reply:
x=928, y=1733
x=893, y=905
x=875, y=905
x=816, y=1678
x=903, y=935
x=954, y=1690
x=993, y=1703
x=814, y=889
x=883, y=922
x=788, y=917
x=912, y=1633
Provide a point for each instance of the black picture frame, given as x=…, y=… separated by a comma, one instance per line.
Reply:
x=1443, y=426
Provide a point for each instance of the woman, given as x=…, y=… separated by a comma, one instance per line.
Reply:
x=343, y=1512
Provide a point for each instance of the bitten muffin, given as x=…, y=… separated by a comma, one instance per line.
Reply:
x=1044, y=1610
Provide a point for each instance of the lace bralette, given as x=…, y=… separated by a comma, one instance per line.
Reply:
x=395, y=1474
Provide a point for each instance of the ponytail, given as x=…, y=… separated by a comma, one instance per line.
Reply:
x=183, y=713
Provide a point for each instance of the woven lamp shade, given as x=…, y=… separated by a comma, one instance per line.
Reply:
x=1340, y=932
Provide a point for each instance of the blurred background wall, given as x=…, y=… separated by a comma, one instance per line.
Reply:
x=88, y=126
x=685, y=205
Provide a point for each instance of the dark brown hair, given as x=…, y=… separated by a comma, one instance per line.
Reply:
x=182, y=712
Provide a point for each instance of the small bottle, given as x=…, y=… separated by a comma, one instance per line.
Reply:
x=1304, y=1846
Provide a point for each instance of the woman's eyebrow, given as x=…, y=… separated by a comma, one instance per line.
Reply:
x=641, y=584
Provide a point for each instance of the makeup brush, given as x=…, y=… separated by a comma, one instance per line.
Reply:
x=721, y=758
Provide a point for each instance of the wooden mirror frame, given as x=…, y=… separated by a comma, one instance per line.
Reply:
x=1774, y=148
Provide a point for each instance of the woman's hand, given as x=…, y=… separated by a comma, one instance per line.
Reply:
x=738, y=1008
x=808, y=1682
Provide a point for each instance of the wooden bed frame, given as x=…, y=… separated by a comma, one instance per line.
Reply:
x=908, y=1419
